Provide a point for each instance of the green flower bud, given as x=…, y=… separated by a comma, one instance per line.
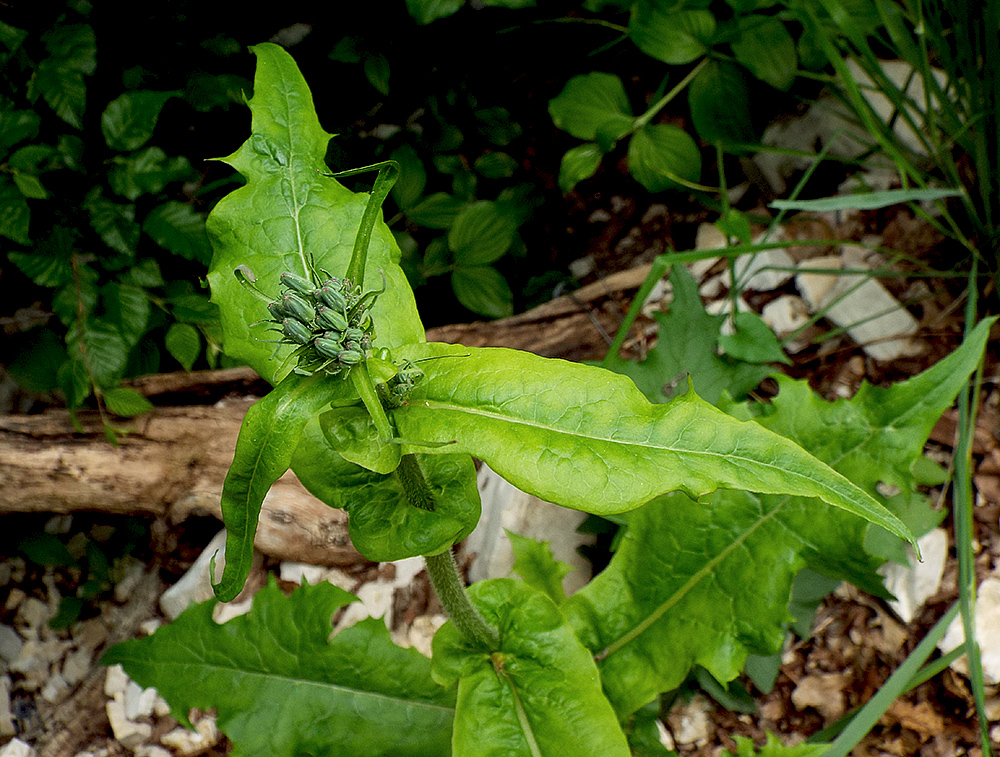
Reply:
x=295, y=331
x=350, y=357
x=328, y=318
x=327, y=347
x=296, y=307
x=332, y=296
x=297, y=283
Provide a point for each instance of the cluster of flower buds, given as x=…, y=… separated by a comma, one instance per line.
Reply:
x=327, y=320
x=400, y=385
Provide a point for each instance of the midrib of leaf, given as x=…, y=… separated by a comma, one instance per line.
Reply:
x=678, y=595
x=322, y=685
x=291, y=176
x=522, y=716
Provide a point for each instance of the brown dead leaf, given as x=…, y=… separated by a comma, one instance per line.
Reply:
x=920, y=718
x=824, y=693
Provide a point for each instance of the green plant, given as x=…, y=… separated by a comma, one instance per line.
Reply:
x=698, y=578
x=95, y=229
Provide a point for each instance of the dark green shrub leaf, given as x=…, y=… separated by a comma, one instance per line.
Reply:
x=538, y=695
x=686, y=346
x=128, y=307
x=510, y=3
x=590, y=101
x=673, y=36
x=436, y=211
x=191, y=307
x=30, y=186
x=481, y=234
x=149, y=170
x=753, y=342
x=31, y=157
x=183, y=344
x=660, y=154
x=437, y=257
x=48, y=269
x=63, y=89
x=129, y=120
x=578, y=163
x=283, y=687
x=35, y=365
x=78, y=295
x=16, y=125
x=425, y=11
x=126, y=402
x=101, y=345
x=178, y=227
x=482, y=289
x=114, y=222
x=412, y=177
x=309, y=217
x=14, y=213
x=74, y=45
x=720, y=105
x=533, y=561
x=497, y=125
x=11, y=37
x=205, y=91
x=495, y=165
x=767, y=49
x=377, y=72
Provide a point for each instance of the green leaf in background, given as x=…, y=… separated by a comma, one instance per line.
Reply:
x=481, y=234
x=767, y=49
x=867, y=200
x=660, y=154
x=126, y=402
x=482, y=289
x=377, y=72
x=579, y=163
x=16, y=125
x=268, y=437
x=495, y=165
x=686, y=345
x=533, y=561
x=641, y=623
x=59, y=78
x=288, y=215
x=538, y=695
x=30, y=186
x=753, y=341
x=720, y=105
x=14, y=213
x=436, y=211
x=497, y=125
x=101, y=345
x=673, y=36
x=774, y=748
x=183, y=343
x=588, y=102
x=129, y=120
x=11, y=37
x=178, y=227
x=282, y=687
x=608, y=450
x=114, y=222
x=412, y=176
x=128, y=308
x=425, y=11
x=147, y=171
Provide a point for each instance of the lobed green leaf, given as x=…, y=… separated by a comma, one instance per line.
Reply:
x=538, y=695
x=282, y=687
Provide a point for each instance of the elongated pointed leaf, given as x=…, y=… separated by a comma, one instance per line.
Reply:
x=707, y=582
x=288, y=215
x=283, y=688
x=584, y=438
x=384, y=526
x=268, y=438
x=538, y=696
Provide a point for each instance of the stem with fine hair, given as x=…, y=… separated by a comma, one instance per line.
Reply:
x=443, y=571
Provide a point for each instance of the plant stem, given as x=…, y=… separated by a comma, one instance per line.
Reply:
x=646, y=117
x=447, y=582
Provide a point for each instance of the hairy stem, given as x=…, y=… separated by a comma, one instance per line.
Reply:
x=442, y=569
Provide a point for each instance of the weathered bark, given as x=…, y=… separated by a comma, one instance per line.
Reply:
x=173, y=461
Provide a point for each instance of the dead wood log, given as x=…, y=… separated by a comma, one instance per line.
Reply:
x=173, y=461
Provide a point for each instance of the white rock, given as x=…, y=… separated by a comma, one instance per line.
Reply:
x=186, y=742
x=138, y=702
x=226, y=611
x=691, y=723
x=912, y=585
x=115, y=682
x=152, y=750
x=161, y=708
x=131, y=735
x=758, y=272
x=420, y=634
x=90, y=634
x=987, y=632
x=149, y=627
x=375, y=601
x=32, y=613
x=11, y=644
x=17, y=748
x=196, y=585
x=506, y=508
x=857, y=302
x=708, y=237
x=55, y=689
x=7, y=728
x=406, y=571
x=76, y=666
x=297, y=572
x=582, y=267
x=36, y=660
x=133, y=576
x=786, y=315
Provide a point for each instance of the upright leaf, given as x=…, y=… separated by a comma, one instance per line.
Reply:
x=580, y=437
x=673, y=36
x=538, y=695
x=649, y=627
x=14, y=213
x=129, y=120
x=590, y=101
x=720, y=105
x=767, y=49
x=484, y=290
x=288, y=215
x=282, y=687
x=59, y=77
x=481, y=234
